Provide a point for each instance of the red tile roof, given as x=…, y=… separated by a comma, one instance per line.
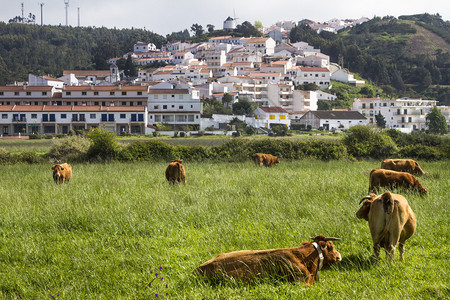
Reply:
x=275, y=109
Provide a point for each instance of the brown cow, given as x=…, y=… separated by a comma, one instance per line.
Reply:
x=402, y=165
x=391, y=221
x=62, y=173
x=175, y=172
x=388, y=178
x=300, y=263
x=267, y=160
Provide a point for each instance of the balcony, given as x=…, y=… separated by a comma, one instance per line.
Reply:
x=19, y=119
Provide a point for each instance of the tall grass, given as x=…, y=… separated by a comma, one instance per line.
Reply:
x=106, y=233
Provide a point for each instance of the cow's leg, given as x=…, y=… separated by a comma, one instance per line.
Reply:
x=376, y=252
x=401, y=249
x=302, y=274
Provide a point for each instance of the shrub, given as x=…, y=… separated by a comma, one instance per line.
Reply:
x=149, y=150
x=365, y=141
x=421, y=152
x=34, y=136
x=7, y=157
x=70, y=148
x=30, y=157
x=104, y=145
x=182, y=134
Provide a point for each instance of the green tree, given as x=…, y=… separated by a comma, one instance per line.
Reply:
x=379, y=119
x=247, y=29
x=243, y=107
x=436, y=122
x=210, y=28
x=197, y=29
x=258, y=24
x=130, y=68
x=104, y=145
x=227, y=99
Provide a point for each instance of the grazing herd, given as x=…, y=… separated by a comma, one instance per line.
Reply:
x=391, y=222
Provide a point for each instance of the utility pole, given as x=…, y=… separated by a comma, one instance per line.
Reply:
x=42, y=18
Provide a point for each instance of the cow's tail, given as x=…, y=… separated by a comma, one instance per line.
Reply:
x=388, y=205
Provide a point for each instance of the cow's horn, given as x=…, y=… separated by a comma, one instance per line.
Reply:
x=365, y=198
x=332, y=239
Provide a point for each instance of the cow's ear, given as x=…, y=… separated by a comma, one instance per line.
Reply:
x=386, y=196
x=53, y=167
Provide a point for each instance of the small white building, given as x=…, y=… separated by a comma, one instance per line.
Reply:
x=332, y=120
x=272, y=116
x=229, y=23
x=144, y=47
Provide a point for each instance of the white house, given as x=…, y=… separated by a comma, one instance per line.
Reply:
x=405, y=114
x=331, y=120
x=343, y=75
x=183, y=58
x=263, y=45
x=272, y=116
x=174, y=105
x=321, y=95
x=144, y=47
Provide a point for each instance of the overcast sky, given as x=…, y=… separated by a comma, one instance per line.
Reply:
x=166, y=16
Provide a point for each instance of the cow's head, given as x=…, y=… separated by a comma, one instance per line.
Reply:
x=330, y=254
x=363, y=212
x=57, y=169
x=177, y=161
x=277, y=159
x=418, y=169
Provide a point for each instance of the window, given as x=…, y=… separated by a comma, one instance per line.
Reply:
x=44, y=118
x=82, y=118
x=74, y=117
x=52, y=118
x=110, y=117
x=83, y=93
x=124, y=93
x=104, y=117
x=69, y=103
x=139, y=93
x=141, y=117
x=16, y=93
x=28, y=93
x=124, y=103
x=133, y=117
x=122, y=116
x=96, y=103
x=180, y=107
x=4, y=116
x=95, y=93
x=1, y=93
x=92, y=116
x=103, y=103
x=111, y=93
x=34, y=116
x=139, y=103
x=68, y=93
x=156, y=107
x=282, y=117
x=164, y=106
x=271, y=117
x=63, y=116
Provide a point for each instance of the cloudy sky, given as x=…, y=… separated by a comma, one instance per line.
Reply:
x=166, y=16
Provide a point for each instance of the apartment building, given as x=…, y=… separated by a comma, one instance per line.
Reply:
x=174, y=105
x=60, y=119
x=405, y=114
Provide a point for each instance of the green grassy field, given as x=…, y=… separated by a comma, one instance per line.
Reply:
x=106, y=233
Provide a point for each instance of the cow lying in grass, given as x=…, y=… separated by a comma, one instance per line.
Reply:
x=291, y=264
x=391, y=221
x=62, y=173
x=267, y=160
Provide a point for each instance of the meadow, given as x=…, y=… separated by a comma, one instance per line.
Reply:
x=106, y=233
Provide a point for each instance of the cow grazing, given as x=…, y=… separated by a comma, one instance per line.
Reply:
x=62, y=173
x=390, y=179
x=175, y=172
x=402, y=165
x=291, y=264
x=267, y=160
x=391, y=221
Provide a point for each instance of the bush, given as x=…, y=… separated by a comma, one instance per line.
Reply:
x=366, y=141
x=34, y=136
x=421, y=152
x=182, y=134
x=150, y=150
x=30, y=157
x=104, y=145
x=70, y=148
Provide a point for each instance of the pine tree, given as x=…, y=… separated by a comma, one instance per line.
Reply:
x=379, y=119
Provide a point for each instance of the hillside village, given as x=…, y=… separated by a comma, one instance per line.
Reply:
x=267, y=71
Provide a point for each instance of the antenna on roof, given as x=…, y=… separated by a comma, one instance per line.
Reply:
x=234, y=14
